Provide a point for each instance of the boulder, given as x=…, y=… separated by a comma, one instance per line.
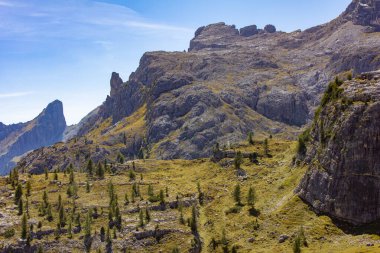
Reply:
x=270, y=29
x=248, y=31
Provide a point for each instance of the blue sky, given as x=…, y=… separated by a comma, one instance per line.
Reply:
x=67, y=49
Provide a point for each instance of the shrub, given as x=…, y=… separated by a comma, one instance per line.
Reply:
x=10, y=232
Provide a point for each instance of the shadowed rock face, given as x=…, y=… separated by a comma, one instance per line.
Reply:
x=46, y=129
x=343, y=179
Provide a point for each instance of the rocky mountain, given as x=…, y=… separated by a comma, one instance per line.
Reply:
x=18, y=139
x=229, y=83
x=343, y=152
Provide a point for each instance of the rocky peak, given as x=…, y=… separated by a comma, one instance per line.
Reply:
x=116, y=84
x=365, y=13
x=213, y=36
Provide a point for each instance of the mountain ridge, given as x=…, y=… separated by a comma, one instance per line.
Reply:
x=43, y=130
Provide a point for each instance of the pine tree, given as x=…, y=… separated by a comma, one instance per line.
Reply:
x=90, y=167
x=28, y=188
x=100, y=171
x=250, y=138
x=20, y=207
x=297, y=245
x=46, y=174
x=200, y=194
x=61, y=217
x=237, y=196
x=238, y=160
x=18, y=194
x=27, y=207
x=193, y=223
x=132, y=175
x=71, y=178
x=24, y=227
x=147, y=215
x=162, y=197
x=69, y=230
x=141, y=217
x=49, y=214
x=102, y=234
x=55, y=175
x=251, y=197
x=87, y=233
x=87, y=187
x=45, y=199
x=59, y=204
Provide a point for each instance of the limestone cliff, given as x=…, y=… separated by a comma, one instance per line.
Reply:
x=343, y=151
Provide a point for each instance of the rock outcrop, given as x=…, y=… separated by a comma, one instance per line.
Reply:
x=248, y=31
x=343, y=179
x=16, y=140
x=365, y=13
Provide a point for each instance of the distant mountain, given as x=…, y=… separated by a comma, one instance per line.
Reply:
x=18, y=139
x=229, y=83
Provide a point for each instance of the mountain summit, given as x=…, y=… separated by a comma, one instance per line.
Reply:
x=18, y=139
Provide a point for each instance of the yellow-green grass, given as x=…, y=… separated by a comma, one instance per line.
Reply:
x=274, y=180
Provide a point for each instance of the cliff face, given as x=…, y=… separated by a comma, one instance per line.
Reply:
x=46, y=129
x=343, y=179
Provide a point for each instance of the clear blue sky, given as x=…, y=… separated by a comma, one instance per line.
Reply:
x=67, y=49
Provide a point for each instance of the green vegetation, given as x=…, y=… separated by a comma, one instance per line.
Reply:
x=212, y=205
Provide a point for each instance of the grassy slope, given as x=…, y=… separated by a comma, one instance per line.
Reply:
x=274, y=180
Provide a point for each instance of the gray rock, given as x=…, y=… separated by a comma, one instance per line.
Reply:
x=248, y=31
x=283, y=238
x=270, y=29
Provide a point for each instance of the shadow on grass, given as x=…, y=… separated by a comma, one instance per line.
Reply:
x=254, y=212
x=348, y=228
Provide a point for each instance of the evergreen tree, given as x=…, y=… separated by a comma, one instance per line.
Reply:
x=238, y=160
x=162, y=197
x=24, y=227
x=237, y=196
x=69, y=230
x=20, y=207
x=147, y=215
x=61, y=216
x=59, y=204
x=251, y=197
x=193, y=223
x=102, y=234
x=71, y=177
x=90, y=167
x=45, y=199
x=297, y=245
x=46, y=174
x=141, y=217
x=250, y=138
x=87, y=233
x=55, y=175
x=49, y=214
x=200, y=194
x=87, y=187
x=18, y=194
x=28, y=188
x=100, y=171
